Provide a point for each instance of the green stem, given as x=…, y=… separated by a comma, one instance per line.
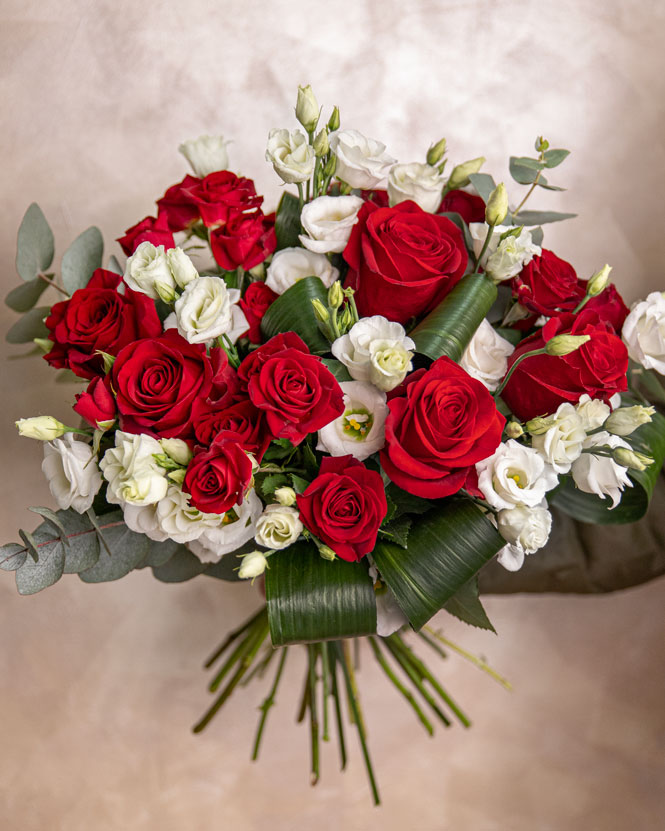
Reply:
x=313, y=715
x=582, y=304
x=49, y=279
x=432, y=644
x=474, y=659
x=529, y=192
x=301, y=196
x=325, y=671
x=232, y=636
x=415, y=679
x=338, y=708
x=244, y=648
x=268, y=702
x=261, y=666
x=240, y=278
x=490, y=234
x=512, y=369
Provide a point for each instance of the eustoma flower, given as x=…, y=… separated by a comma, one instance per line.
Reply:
x=360, y=430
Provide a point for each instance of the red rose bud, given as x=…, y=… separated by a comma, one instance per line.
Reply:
x=98, y=319
x=297, y=392
x=149, y=229
x=610, y=307
x=222, y=195
x=255, y=303
x=217, y=478
x=470, y=207
x=445, y=422
x=540, y=383
x=344, y=506
x=97, y=405
x=402, y=260
x=548, y=285
x=246, y=240
x=241, y=418
x=177, y=205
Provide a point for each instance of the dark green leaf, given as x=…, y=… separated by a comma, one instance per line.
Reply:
x=30, y=326
x=449, y=328
x=465, y=605
x=272, y=482
x=179, y=568
x=511, y=335
x=24, y=297
x=34, y=245
x=398, y=530
x=446, y=549
x=82, y=257
x=338, y=369
x=292, y=312
x=405, y=503
x=300, y=485
x=553, y=158
x=539, y=217
x=311, y=599
x=287, y=221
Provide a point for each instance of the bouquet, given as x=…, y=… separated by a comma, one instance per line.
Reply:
x=359, y=400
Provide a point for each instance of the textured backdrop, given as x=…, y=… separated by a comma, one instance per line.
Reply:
x=100, y=684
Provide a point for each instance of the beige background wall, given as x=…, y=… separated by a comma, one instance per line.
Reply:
x=99, y=685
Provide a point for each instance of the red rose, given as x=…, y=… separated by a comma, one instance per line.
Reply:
x=222, y=195
x=402, y=260
x=609, y=307
x=97, y=402
x=255, y=303
x=157, y=380
x=218, y=477
x=241, y=418
x=245, y=240
x=177, y=205
x=469, y=206
x=547, y=285
x=444, y=423
x=539, y=384
x=295, y=389
x=344, y=506
x=149, y=229
x=98, y=318
x=225, y=385
x=378, y=197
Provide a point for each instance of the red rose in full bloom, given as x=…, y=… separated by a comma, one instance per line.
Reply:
x=157, y=380
x=98, y=318
x=344, y=506
x=245, y=240
x=177, y=205
x=402, y=260
x=294, y=388
x=443, y=424
x=548, y=285
x=149, y=229
x=218, y=477
x=221, y=195
x=97, y=403
x=469, y=206
x=255, y=303
x=540, y=383
x=241, y=418
x=609, y=307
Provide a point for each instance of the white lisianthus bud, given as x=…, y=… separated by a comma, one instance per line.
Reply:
x=333, y=121
x=335, y=295
x=325, y=551
x=320, y=312
x=527, y=527
x=278, y=527
x=307, y=108
x=515, y=475
x=285, y=496
x=292, y=264
x=644, y=332
x=182, y=268
x=561, y=345
x=539, y=425
x=132, y=472
x=598, y=282
x=360, y=430
x=327, y=222
x=421, y=183
x=181, y=521
x=592, y=411
x=206, y=154
x=208, y=309
x=71, y=471
x=631, y=458
x=503, y=258
x=176, y=449
x=43, y=343
x=290, y=155
x=361, y=162
x=148, y=271
x=486, y=356
x=514, y=430
x=497, y=206
x=253, y=565
x=237, y=527
x=376, y=349
x=436, y=152
x=624, y=421
x=601, y=474
x=459, y=178
x=562, y=442
x=321, y=144
x=44, y=428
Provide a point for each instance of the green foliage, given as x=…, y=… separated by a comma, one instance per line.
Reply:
x=540, y=217
x=483, y=183
x=24, y=297
x=287, y=221
x=338, y=369
x=82, y=257
x=34, y=246
x=292, y=312
x=466, y=606
x=30, y=326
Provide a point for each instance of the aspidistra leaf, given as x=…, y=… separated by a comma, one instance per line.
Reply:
x=293, y=312
x=466, y=606
x=287, y=221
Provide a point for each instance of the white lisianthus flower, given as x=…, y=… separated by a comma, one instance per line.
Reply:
x=527, y=528
x=182, y=268
x=515, y=475
x=421, y=183
x=644, y=332
x=292, y=264
x=376, y=350
x=601, y=474
x=327, y=222
x=148, y=271
x=593, y=412
x=206, y=154
x=180, y=520
x=278, y=527
x=360, y=430
x=132, y=472
x=361, y=162
x=71, y=471
x=291, y=155
x=208, y=309
x=237, y=527
x=503, y=259
x=143, y=519
x=486, y=356
x=562, y=443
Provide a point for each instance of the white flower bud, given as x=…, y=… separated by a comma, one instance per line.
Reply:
x=307, y=108
x=206, y=154
x=514, y=430
x=182, y=268
x=562, y=442
x=527, y=527
x=497, y=205
x=176, y=449
x=44, y=428
x=486, y=356
x=592, y=411
x=376, y=350
x=291, y=155
x=436, y=152
x=208, y=309
x=561, y=345
x=601, y=474
x=624, y=421
x=459, y=178
x=70, y=467
x=503, y=258
x=253, y=565
x=598, y=282
x=278, y=527
x=631, y=458
x=285, y=496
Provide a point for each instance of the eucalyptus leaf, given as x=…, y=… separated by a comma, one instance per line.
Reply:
x=81, y=259
x=293, y=312
x=34, y=246
x=287, y=221
x=525, y=171
x=466, y=606
x=127, y=549
x=483, y=183
x=12, y=556
x=115, y=266
x=24, y=297
x=30, y=326
x=33, y=576
x=542, y=183
x=537, y=235
x=181, y=567
x=160, y=553
x=539, y=217
x=311, y=599
x=553, y=158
